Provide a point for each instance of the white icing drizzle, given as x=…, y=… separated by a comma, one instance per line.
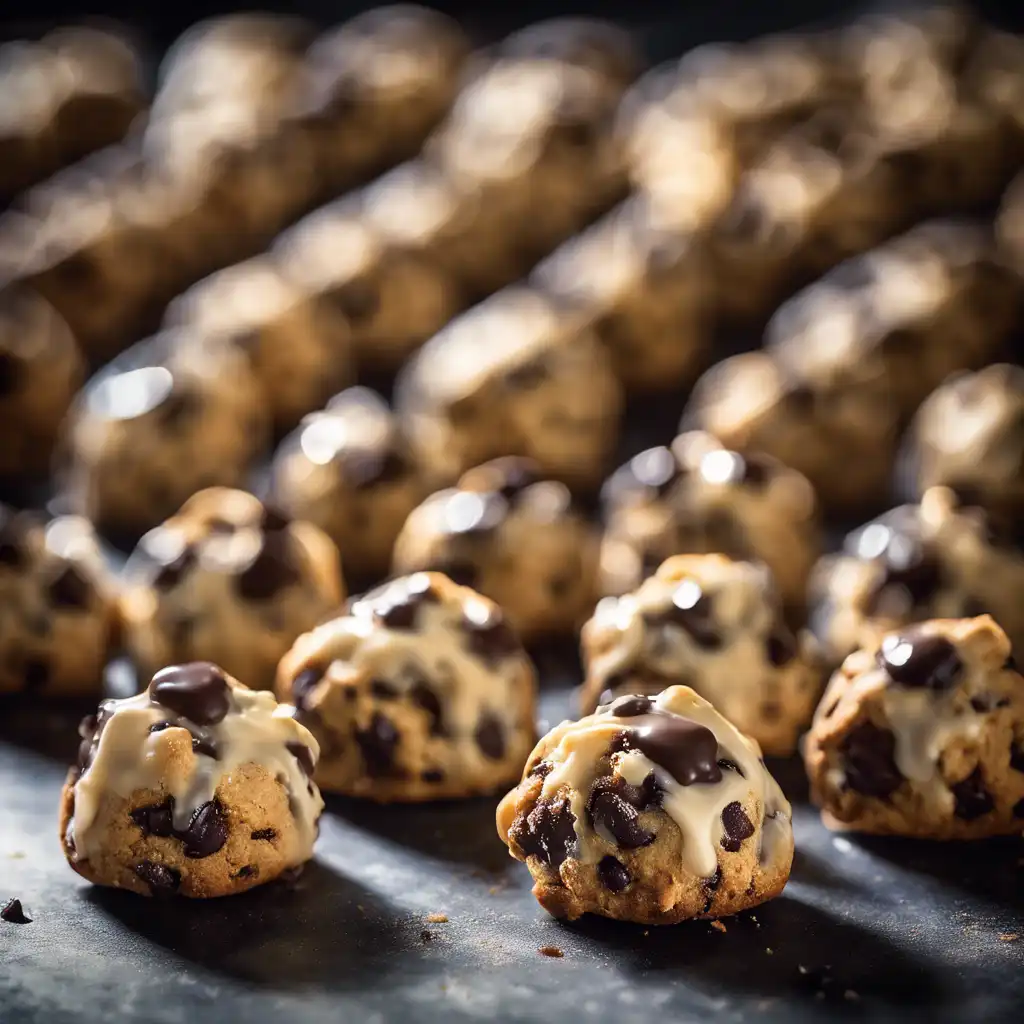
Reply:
x=127, y=758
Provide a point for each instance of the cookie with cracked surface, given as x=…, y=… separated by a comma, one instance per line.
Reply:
x=419, y=691
x=58, y=606
x=227, y=579
x=506, y=531
x=197, y=787
x=716, y=625
x=922, y=734
x=652, y=809
x=697, y=497
x=349, y=469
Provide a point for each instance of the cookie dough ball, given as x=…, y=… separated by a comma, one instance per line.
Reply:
x=420, y=691
x=698, y=497
x=392, y=299
x=515, y=537
x=841, y=440
x=969, y=435
x=196, y=787
x=299, y=345
x=716, y=625
x=922, y=734
x=230, y=580
x=58, y=606
x=41, y=368
x=512, y=377
x=349, y=470
x=940, y=559
x=652, y=810
x=157, y=425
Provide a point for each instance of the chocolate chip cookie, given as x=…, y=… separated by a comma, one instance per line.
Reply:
x=196, y=787
x=419, y=691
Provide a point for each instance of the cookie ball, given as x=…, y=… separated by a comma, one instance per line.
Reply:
x=922, y=734
x=698, y=497
x=939, y=559
x=349, y=470
x=654, y=810
x=227, y=579
x=157, y=425
x=841, y=440
x=41, y=369
x=969, y=435
x=714, y=624
x=512, y=377
x=58, y=606
x=391, y=299
x=197, y=787
x=515, y=537
x=298, y=344
x=419, y=691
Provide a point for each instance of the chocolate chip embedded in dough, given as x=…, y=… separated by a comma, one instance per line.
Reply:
x=170, y=574
x=488, y=635
x=206, y=832
x=737, y=826
x=547, y=832
x=35, y=674
x=304, y=683
x=868, y=758
x=398, y=607
x=304, y=756
x=612, y=815
x=155, y=819
x=711, y=885
x=629, y=706
x=432, y=775
x=693, y=611
x=383, y=690
x=270, y=572
x=613, y=874
x=267, y=835
x=490, y=737
x=781, y=647
x=378, y=744
x=70, y=589
x=197, y=691
x=973, y=800
x=920, y=660
x=162, y=880
x=1017, y=757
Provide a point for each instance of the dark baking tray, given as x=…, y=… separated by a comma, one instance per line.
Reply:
x=867, y=928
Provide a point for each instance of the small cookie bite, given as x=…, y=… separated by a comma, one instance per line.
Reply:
x=227, y=579
x=58, y=606
x=654, y=810
x=41, y=368
x=515, y=537
x=196, y=787
x=969, y=435
x=158, y=424
x=349, y=470
x=942, y=558
x=921, y=733
x=716, y=625
x=512, y=376
x=697, y=497
x=298, y=345
x=419, y=691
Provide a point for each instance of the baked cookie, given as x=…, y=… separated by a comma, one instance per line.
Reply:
x=942, y=559
x=515, y=537
x=391, y=298
x=196, y=787
x=714, y=624
x=698, y=497
x=419, y=691
x=41, y=368
x=922, y=734
x=654, y=810
x=299, y=345
x=58, y=606
x=227, y=578
x=512, y=376
x=158, y=424
x=349, y=470
x=969, y=435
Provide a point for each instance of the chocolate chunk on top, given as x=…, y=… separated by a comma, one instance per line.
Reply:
x=920, y=660
x=629, y=706
x=685, y=749
x=197, y=691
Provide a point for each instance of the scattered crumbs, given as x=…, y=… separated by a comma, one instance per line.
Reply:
x=552, y=951
x=1009, y=936
x=437, y=918
x=850, y=996
x=770, y=951
x=426, y=936
x=14, y=913
x=718, y=926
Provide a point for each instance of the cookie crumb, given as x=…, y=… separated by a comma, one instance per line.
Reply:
x=718, y=926
x=14, y=913
x=1009, y=936
x=552, y=951
x=437, y=918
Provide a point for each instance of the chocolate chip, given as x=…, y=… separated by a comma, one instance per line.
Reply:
x=304, y=684
x=1017, y=757
x=613, y=874
x=162, y=880
x=687, y=750
x=207, y=831
x=489, y=636
x=911, y=573
x=358, y=300
x=205, y=747
x=781, y=648
x=425, y=698
x=771, y=711
x=1010, y=665
x=920, y=660
x=90, y=729
x=711, y=885
x=548, y=832
x=988, y=702
x=273, y=520
x=527, y=376
x=170, y=574
x=692, y=610
x=629, y=706
x=541, y=769
x=303, y=755
x=267, y=835
x=383, y=690
x=197, y=691
x=432, y=775
x=728, y=765
x=737, y=827
x=612, y=814
x=490, y=737
x=973, y=800
x=178, y=408
x=35, y=674
x=270, y=572
x=70, y=589
x=1018, y=809
x=156, y=819
x=867, y=755
x=247, y=871
x=14, y=913
x=399, y=606
x=377, y=743
x=11, y=373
